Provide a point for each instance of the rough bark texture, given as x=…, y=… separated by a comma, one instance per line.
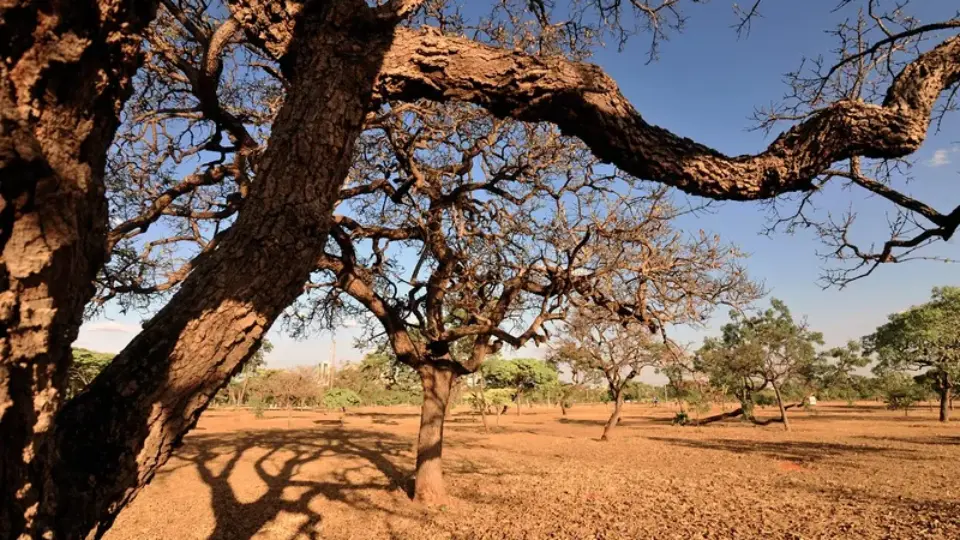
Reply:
x=584, y=101
x=437, y=382
x=614, y=418
x=65, y=71
x=112, y=438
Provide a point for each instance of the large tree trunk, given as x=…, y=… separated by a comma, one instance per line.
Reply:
x=113, y=437
x=437, y=382
x=783, y=410
x=65, y=72
x=614, y=417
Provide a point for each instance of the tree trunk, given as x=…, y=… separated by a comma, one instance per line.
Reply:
x=783, y=410
x=113, y=437
x=243, y=390
x=65, y=74
x=614, y=417
x=563, y=408
x=437, y=382
x=946, y=396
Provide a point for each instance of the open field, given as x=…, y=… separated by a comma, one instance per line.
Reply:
x=843, y=472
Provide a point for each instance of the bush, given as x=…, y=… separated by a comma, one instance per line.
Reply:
x=764, y=399
x=681, y=419
x=257, y=405
x=340, y=398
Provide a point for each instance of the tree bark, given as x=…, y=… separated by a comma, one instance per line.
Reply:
x=65, y=73
x=429, y=487
x=585, y=102
x=946, y=397
x=614, y=417
x=113, y=437
x=783, y=410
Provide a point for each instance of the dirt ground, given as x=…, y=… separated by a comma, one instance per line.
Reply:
x=843, y=472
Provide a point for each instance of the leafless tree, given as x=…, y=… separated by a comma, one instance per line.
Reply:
x=459, y=233
x=333, y=62
x=619, y=350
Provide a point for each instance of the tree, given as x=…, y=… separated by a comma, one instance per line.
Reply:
x=64, y=77
x=617, y=350
x=493, y=230
x=923, y=338
x=900, y=392
x=768, y=349
x=242, y=379
x=833, y=371
x=86, y=365
x=566, y=356
x=212, y=325
x=340, y=398
x=521, y=375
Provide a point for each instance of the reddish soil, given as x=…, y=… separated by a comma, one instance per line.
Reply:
x=843, y=472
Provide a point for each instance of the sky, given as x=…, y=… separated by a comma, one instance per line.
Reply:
x=705, y=86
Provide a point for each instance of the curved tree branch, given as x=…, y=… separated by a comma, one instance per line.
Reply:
x=584, y=101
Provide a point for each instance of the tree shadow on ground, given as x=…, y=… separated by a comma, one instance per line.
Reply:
x=942, y=440
x=924, y=511
x=278, y=457
x=385, y=416
x=798, y=451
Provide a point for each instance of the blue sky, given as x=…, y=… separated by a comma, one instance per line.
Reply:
x=705, y=86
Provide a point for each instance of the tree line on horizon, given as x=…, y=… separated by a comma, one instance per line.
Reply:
x=765, y=360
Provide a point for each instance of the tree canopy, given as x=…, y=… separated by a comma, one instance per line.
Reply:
x=923, y=338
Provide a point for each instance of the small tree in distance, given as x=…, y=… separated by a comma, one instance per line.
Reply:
x=768, y=349
x=618, y=351
x=86, y=365
x=566, y=356
x=340, y=398
x=521, y=375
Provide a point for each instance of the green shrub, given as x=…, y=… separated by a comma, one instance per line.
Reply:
x=258, y=407
x=340, y=398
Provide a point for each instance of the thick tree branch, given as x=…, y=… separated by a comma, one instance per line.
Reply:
x=583, y=101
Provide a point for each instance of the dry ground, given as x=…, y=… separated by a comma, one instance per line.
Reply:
x=844, y=472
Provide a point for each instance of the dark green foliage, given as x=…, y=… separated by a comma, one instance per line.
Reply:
x=340, y=398
x=87, y=364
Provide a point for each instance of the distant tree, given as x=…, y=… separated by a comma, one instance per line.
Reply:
x=923, y=338
x=833, y=371
x=520, y=375
x=566, y=357
x=900, y=391
x=341, y=398
x=86, y=365
x=237, y=388
x=768, y=349
x=617, y=350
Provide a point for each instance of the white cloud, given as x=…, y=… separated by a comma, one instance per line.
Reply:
x=941, y=157
x=113, y=327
